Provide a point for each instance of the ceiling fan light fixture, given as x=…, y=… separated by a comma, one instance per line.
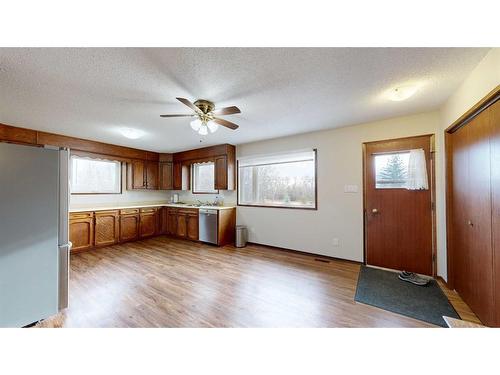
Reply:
x=196, y=124
x=212, y=126
x=203, y=129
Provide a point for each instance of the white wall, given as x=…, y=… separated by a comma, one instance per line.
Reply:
x=483, y=79
x=339, y=214
x=127, y=196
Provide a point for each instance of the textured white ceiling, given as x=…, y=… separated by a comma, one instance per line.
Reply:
x=90, y=93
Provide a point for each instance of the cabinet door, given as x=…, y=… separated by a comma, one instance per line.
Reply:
x=220, y=173
x=147, y=224
x=137, y=175
x=162, y=220
x=181, y=225
x=81, y=231
x=472, y=231
x=152, y=175
x=192, y=227
x=177, y=177
x=106, y=228
x=166, y=176
x=129, y=227
x=495, y=194
x=171, y=222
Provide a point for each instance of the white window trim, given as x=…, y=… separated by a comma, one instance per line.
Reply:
x=193, y=178
x=278, y=158
x=120, y=176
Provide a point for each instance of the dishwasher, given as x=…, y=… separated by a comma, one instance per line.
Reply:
x=208, y=225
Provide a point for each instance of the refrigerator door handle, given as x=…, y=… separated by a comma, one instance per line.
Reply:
x=64, y=255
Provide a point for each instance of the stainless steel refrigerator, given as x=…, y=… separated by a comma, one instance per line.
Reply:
x=34, y=244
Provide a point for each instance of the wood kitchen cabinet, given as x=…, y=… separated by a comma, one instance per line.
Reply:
x=148, y=222
x=181, y=176
x=192, y=225
x=142, y=174
x=183, y=223
x=129, y=225
x=223, y=157
x=172, y=221
x=107, y=227
x=166, y=176
x=81, y=230
x=220, y=170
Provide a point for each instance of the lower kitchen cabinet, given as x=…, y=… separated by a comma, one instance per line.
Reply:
x=172, y=221
x=186, y=223
x=107, y=228
x=129, y=225
x=192, y=226
x=148, y=222
x=81, y=230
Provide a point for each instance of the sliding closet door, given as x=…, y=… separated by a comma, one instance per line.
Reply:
x=473, y=264
x=480, y=226
x=462, y=259
x=495, y=195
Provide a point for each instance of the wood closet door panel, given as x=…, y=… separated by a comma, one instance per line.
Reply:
x=495, y=195
x=472, y=205
x=480, y=215
x=460, y=208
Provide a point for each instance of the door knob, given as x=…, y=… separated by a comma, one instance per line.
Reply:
x=470, y=223
x=375, y=211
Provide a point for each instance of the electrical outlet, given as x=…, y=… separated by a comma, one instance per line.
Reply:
x=335, y=242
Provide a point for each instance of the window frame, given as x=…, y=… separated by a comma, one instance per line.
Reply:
x=193, y=178
x=102, y=159
x=315, y=208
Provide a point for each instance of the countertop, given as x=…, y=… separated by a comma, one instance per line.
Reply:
x=143, y=205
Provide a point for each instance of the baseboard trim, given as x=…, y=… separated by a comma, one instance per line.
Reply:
x=313, y=255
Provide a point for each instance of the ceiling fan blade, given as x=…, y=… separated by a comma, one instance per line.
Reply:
x=227, y=124
x=177, y=115
x=226, y=111
x=189, y=104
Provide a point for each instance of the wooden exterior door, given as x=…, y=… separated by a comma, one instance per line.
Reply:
x=398, y=222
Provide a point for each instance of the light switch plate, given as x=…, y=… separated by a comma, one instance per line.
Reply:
x=350, y=188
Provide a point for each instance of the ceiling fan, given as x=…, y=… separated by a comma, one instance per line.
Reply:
x=205, y=113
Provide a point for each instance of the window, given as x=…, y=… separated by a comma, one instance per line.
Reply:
x=95, y=176
x=204, y=178
x=391, y=170
x=287, y=180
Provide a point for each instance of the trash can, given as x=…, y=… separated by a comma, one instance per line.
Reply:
x=241, y=236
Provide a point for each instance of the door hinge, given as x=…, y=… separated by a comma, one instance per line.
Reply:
x=433, y=206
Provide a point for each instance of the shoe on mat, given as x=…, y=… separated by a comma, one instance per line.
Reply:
x=413, y=278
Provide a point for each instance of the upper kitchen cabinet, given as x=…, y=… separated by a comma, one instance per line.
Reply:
x=223, y=157
x=142, y=174
x=166, y=170
x=220, y=170
x=181, y=175
x=166, y=175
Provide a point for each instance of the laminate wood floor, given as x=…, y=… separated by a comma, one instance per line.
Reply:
x=164, y=282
